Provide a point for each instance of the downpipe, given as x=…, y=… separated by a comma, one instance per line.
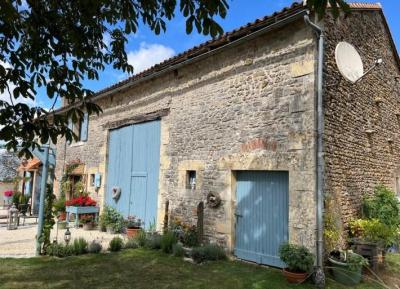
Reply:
x=319, y=272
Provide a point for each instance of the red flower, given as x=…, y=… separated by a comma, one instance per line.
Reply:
x=8, y=193
x=81, y=201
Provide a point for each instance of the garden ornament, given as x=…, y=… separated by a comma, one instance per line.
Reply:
x=116, y=193
x=213, y=200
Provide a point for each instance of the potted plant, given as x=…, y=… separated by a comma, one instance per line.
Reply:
x=347, y=267
x=299, y=261
x=112, y=220
x=87, y=221
x=133, y=226
x=7, y=196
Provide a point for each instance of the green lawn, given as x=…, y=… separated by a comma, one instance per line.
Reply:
x=140, y=269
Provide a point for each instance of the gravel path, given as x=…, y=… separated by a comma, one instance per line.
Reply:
x=20, y=243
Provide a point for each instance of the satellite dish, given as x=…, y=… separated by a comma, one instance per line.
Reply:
x=349, y=62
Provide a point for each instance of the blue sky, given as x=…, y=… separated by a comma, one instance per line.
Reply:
x=145, y=48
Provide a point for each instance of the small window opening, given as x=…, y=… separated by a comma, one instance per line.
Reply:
x=191, y=180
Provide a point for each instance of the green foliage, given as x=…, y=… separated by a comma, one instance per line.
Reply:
x=190, y=237
x=111, y=217
x=48, y=44
x=116, y=244
x=372, y=231
x=131, y=243
x=297, y=258
x=384, y=206
x=332, y=232
x=353, y=260
x=80, y=246
x=49, y=216
x=19, y=199
x=153, y=241
x=356, y=261
x=320, y=6
x=177, y=250
x=187, y=234
x=168, y=239
x=94, y=247
x=59, y=205
x=210, y=252
x=60, y=250
x=141, y=238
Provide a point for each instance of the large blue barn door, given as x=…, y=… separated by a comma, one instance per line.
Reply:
x=261, y=216
x=133, y=166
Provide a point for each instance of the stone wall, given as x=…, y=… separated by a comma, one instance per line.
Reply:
x=361, y=126
x=249, y=107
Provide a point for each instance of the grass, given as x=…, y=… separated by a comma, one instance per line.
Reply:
x=140, y=268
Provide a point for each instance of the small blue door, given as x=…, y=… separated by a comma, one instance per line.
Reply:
x=133, y=166
x=261, y=215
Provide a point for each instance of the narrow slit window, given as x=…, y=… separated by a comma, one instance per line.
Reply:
x=191, y=180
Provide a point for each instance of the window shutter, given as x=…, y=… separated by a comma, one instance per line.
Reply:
x=84, y=127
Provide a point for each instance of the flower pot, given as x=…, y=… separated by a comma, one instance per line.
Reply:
x=293, y=277
x=62, y=216
x=132, y=232
x=110, y=230
x=342, y=273
x=88, y=226
x=6, y=200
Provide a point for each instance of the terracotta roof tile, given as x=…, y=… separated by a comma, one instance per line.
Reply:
x=361, y=5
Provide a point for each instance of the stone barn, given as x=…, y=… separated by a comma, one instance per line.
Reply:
x=232, y=135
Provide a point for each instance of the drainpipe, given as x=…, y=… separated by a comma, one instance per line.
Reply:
x=43, y=187
x=319, y=274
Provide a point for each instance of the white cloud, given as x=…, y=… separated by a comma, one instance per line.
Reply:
x=148, y=55
x=5, y=96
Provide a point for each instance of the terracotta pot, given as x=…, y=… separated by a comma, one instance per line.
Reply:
x=62, y=216
x=292, y=277
x=132, y=232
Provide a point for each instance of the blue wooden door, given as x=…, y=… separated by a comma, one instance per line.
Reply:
x=261, y=215
x=133, y=165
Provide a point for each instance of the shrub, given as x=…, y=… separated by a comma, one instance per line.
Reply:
x=384, y=206
x=372, y=231
x=131, y=244
x=68, y=250
x=80, y=246
x=211, y=252
x=116, y=244
x=167, y=241
x=60, y=250
x=94, y=247
x=141, y=238
x=190, y=237
x=297, y=258
x=154, y=241
x=177, y=250
x=187, y=234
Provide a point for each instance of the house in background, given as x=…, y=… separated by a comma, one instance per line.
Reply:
x=8, y=171
x=226, y=133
